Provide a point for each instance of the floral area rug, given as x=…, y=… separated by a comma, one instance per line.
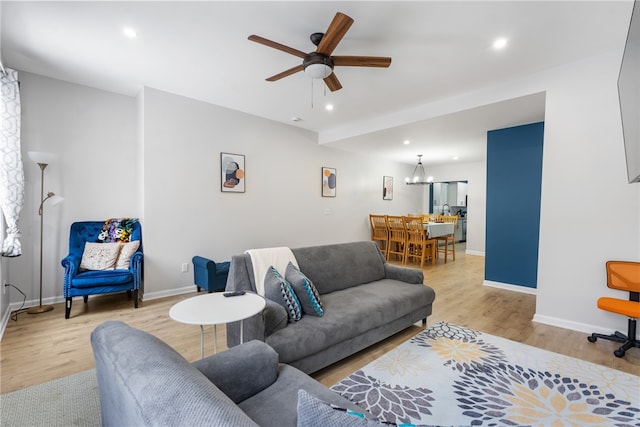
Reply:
x=449, y=375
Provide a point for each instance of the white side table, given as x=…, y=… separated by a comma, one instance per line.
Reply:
x=215, y=309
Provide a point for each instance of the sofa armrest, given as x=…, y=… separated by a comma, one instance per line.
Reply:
x=71, y=264
x=242, y=371
x=404, y=274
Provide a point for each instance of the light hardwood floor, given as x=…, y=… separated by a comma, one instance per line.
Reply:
x=39, y=348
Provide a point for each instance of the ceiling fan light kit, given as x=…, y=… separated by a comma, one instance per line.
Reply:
x=320, y=64
x=317, y=65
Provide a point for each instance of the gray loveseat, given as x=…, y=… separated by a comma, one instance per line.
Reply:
x=365, y=300
x=144, y=382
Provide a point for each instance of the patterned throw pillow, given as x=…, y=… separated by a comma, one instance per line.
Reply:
x=277, y=289
x=126, y=252
x=305, y=291
x=117, y=230
x=99, y=256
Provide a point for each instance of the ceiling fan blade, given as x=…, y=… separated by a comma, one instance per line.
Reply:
x=285, y=73
x=361, y=61
x=276, y=45
x=336, y=31
x=332, y=82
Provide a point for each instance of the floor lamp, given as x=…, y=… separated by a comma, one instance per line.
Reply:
x=43, y=160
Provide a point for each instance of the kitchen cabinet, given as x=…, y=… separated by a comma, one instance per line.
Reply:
x=461, y=190
x=451, y=193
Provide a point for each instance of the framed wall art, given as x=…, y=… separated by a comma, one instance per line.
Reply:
x=328, y=182
x=387, y=188
x=232, y=169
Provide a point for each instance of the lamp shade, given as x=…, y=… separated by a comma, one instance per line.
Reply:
x=318, y=71
x=42, y=157
x=55, y=200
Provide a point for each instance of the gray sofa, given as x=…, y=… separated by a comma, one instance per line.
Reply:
x=365, y=300
x=144, y=382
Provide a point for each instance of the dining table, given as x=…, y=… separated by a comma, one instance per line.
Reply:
x=438, y=229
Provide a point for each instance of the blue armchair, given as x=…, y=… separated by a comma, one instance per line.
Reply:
x=210, y=275
x=83, y=283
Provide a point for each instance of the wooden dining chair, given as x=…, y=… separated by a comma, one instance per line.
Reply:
x=380, y=232
x=449, y=239
x=417, y=245
x=426, y=218
x=397, y=238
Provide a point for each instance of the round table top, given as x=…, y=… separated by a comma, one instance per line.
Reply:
x=215, y=308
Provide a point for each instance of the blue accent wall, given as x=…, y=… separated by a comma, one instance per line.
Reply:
x=514, y=177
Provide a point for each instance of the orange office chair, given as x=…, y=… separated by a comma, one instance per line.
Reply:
x=625, y=276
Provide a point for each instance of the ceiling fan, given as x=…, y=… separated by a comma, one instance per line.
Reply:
x=319, y=64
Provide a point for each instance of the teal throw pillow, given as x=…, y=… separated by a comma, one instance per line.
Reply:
x=278, y=290
x=305, y=290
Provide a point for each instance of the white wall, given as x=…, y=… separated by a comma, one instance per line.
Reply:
x=157, y=157
x=589, y=213
x=186, y=214
x=93, y=134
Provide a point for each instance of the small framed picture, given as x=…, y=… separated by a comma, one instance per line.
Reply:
x=232, y=170
x=387, y=188
x=328, y=182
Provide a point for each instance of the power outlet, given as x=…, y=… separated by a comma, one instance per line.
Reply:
x=185, y=267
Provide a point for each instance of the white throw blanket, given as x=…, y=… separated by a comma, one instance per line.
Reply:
x=264, y=258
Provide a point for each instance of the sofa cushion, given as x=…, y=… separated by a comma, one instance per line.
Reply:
x=331, y=267
x=349, y=313
x=275, y=317
x=93, y=279
x=305, y=291
x=313, y=412
x=277, y=289
x=241, y=371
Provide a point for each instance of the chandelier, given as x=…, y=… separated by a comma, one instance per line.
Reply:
x=419, y=176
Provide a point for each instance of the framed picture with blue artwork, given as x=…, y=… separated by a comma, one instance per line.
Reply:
x=232, y=169
x=328, y=182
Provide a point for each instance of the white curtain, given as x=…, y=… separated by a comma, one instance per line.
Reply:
x=11, y=172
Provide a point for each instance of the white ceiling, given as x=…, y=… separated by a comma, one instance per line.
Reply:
x=200, y=50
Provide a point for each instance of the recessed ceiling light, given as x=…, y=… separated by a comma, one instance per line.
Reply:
x=329, y=107
x=455, y=157
x=295, y=119
x=500, y=43
x=130, y=32
x=406, y=142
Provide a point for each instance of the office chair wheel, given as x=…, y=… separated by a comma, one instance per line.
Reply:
x=619, y=352
x=591, y=338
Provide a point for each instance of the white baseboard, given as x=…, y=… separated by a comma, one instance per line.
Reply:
x=510, y=287
x=169, y=293
x=574, y=326
x=478, y=253
x=59, y=299
x=5, y=321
